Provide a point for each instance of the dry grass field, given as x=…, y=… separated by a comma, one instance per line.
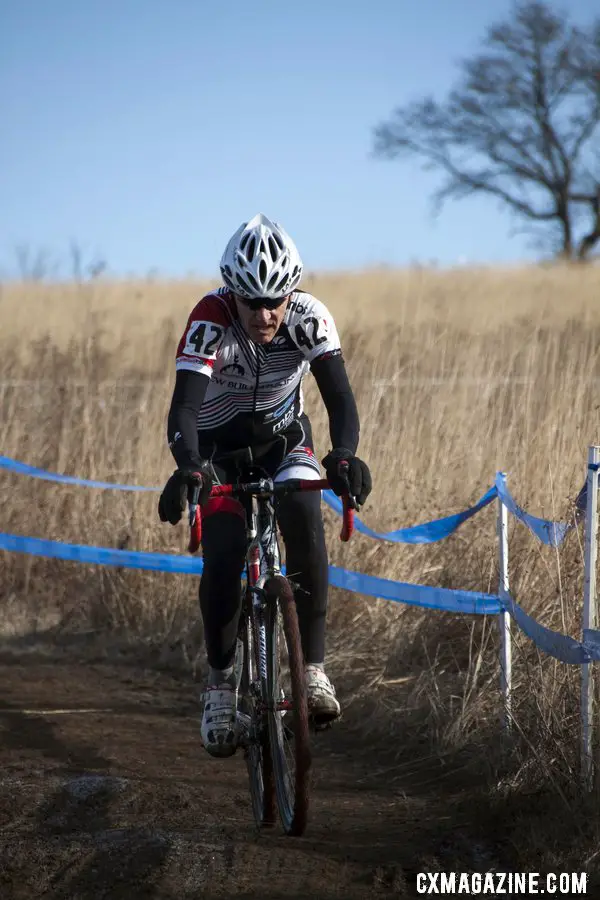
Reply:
x=457, y=374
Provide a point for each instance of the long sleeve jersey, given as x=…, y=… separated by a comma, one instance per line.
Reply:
x=232, y=393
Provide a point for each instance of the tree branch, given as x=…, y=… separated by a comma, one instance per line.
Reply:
x=518, y=124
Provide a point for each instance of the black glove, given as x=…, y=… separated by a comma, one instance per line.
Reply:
x=356, y=481
x=177, y=491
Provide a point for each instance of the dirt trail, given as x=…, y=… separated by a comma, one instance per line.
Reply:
x=105, y=792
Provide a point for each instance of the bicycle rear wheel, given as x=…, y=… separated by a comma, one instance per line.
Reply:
x=257, y=751
x=286, y=687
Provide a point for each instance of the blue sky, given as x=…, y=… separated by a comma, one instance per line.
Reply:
x=148, y=130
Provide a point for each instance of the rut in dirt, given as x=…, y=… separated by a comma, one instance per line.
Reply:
x=107, y=792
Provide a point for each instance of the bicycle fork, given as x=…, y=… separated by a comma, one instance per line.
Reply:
x=253, y=622
x=257, y=637
x=262, y=561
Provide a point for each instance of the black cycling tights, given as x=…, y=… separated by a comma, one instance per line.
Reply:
x=224, y=547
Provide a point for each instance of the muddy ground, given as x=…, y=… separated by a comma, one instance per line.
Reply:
x=106, y=792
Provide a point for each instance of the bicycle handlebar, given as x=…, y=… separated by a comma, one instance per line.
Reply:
x=262, y=488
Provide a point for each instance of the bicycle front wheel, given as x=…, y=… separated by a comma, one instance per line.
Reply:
x=257, y=751
x=287, y=706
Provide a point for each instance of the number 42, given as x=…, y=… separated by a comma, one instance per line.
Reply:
x=302, y=338
x=202, y=338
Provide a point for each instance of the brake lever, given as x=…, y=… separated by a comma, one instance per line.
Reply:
x=193, y=502
x=344, y=468
x=194, y=517
x=349, y=505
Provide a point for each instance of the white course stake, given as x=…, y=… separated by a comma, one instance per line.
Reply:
x=504, y=616
x=590, y=615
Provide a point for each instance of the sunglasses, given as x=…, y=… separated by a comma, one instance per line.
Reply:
x=256, y=303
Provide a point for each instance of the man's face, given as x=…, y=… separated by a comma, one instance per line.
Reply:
x=262, y=324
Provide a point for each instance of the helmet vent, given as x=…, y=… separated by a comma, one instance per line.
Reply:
x=262, y=271
x=282, y=283
x=242, y=285
x=252, y=281
x=273, y=248
x=251, y=249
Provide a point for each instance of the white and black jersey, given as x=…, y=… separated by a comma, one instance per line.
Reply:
x=251, y=393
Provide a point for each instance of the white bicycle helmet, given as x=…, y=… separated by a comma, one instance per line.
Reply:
x=261, y=260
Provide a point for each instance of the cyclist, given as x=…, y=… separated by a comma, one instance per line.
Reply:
x=240, y=364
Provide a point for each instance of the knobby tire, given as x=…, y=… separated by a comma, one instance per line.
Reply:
x=292, y=788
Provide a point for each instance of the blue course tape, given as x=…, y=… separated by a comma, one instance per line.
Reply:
x=102, y=556
x=416, y=595
x=417, y=534
x=560, y=646
x=427, y=533
x=13, y=465
x=552, y=533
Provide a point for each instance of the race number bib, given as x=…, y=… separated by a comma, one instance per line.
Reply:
x=203, y=340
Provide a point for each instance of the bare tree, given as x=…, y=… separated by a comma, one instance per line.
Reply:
x=76, y=254
x=96, y=267
x=522, y=125
x=33, y=265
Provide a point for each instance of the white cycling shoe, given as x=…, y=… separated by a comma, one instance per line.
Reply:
x=219, y=720
x=323, y=705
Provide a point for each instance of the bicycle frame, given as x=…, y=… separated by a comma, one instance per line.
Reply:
x=262, y=561
x=262, y=554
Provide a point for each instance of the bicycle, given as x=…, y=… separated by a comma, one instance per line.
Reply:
x=272, y=715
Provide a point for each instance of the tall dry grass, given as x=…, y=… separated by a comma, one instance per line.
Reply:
x=457, y=374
